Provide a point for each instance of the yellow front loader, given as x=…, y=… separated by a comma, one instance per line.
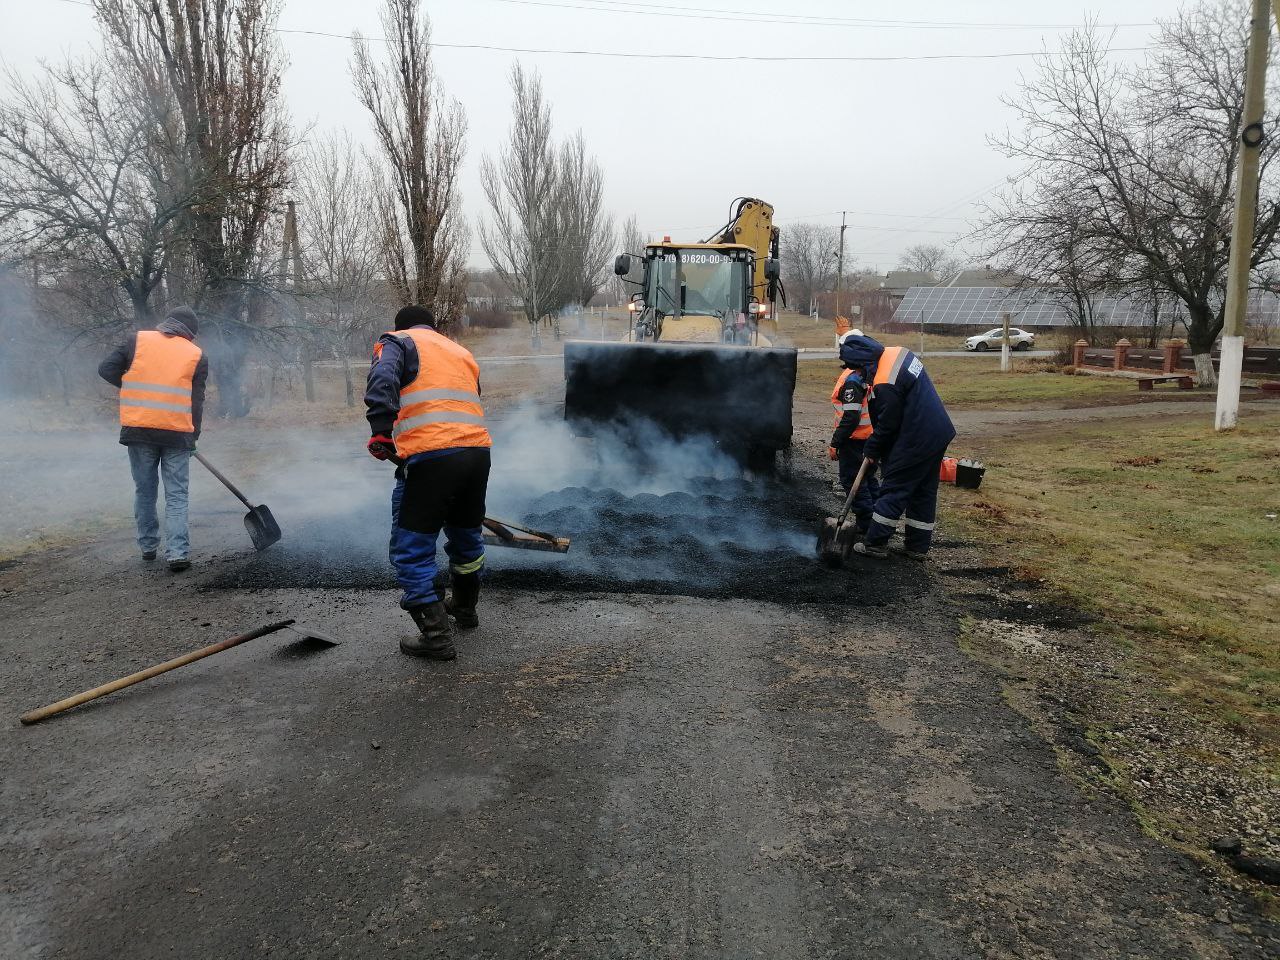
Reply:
x=700, y=356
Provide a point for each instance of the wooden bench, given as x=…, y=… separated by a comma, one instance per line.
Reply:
x=1184, y=381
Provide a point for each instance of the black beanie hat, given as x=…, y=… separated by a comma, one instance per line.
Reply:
x=414, y=317
x=187, y=317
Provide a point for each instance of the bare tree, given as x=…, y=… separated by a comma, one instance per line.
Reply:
x=421, y=134
x=210, y=73
x=1147, y=156
x=341, y=247
x=82, y=191
x=632, y=242
x=586, y=237
x=809, y=251
x=930, y=258
x=523, y=192
x=1052, y=248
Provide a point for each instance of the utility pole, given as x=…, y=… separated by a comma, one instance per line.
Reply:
x=840, y=261
x=1004, y=346
x=1231, y=359
x=291, y=270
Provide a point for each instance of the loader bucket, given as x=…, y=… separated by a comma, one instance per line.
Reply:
x=741, y=396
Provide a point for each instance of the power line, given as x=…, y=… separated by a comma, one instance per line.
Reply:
x=631, y=55
x=746, y=16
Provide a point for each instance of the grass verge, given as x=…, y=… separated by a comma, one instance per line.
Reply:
x=976, y=383
x=1169, y=534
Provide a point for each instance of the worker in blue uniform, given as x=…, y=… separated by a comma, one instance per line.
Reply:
x=910, y=434
x=423, y=408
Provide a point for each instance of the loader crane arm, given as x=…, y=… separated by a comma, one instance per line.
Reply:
x=752, y=225
x=701, y=355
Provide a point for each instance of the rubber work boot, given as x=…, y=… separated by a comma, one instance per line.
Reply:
x=435, y=639
x=461, y=602
x=867, y=550
x=148, y=555
x=177, y=566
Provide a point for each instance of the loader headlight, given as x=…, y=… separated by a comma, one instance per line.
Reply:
x=635, y=306
x=759, y=308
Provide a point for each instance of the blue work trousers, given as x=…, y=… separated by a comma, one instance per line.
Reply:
x=456, y=486
x=910, y=488
x=865, y=500
x=148, y=462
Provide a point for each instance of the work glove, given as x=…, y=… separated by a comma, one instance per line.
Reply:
x=833, y=453
x=381, y=447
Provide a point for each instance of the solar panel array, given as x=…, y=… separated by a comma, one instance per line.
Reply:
x=1038, y=306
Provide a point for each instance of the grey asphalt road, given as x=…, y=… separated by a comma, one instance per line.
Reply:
x=750, y=757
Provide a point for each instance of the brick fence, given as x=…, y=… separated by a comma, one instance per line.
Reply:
x=1169, y=358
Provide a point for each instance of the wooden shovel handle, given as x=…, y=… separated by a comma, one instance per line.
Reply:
x=35, y=716
x=853, y=491
x=225, y=482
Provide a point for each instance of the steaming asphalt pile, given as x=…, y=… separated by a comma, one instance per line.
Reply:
x=714, y=538
x=647, y=513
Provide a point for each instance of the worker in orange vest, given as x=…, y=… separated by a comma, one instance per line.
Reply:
x=161, y=374
x=423, y=407
x=852, y=427
x=911, y=431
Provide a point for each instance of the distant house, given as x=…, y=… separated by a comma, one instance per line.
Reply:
x=896, y=283
x=486, y=291
x=981, y=277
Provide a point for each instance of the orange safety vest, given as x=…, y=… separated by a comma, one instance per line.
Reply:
x=889, y=365
x=155, y=392
x=863, y=429
x=441, y=408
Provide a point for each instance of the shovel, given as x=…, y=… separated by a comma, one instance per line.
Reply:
x=503, y=533
x=308, y=637
x=262, y=526
x=835, y=538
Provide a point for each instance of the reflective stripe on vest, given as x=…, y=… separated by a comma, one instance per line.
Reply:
x=890, y=365
x=441, y=407
x=863, y=429
x=155, y=392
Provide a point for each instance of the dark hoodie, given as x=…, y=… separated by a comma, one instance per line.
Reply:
x=181, y=322
x=909, y=422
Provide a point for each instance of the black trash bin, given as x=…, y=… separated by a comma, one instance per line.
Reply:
x=969, y=474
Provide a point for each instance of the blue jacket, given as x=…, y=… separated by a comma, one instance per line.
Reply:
x=910, y=423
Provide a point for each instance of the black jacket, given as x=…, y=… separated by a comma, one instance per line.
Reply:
x=113, y=370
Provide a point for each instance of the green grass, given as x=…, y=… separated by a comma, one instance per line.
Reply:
x=1162, y=530
x=976, y=383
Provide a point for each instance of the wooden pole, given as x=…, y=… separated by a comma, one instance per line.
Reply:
x=35, y=716
x=1231, y=356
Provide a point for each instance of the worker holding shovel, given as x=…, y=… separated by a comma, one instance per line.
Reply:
x=161, y=374
x=423, y=407
x=851, y=429
x=909, y=437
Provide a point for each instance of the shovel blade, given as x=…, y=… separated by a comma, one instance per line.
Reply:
x=828, y=552
x=262, y=527
x=846, y=536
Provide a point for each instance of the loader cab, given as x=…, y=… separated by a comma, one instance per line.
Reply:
x=698, y=293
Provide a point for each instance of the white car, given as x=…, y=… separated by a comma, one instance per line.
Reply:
x=994, y=339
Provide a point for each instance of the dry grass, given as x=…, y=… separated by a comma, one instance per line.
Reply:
x=1168, y=532
x=976, y=383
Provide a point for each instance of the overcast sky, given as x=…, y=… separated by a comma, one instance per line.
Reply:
x=900, y=144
